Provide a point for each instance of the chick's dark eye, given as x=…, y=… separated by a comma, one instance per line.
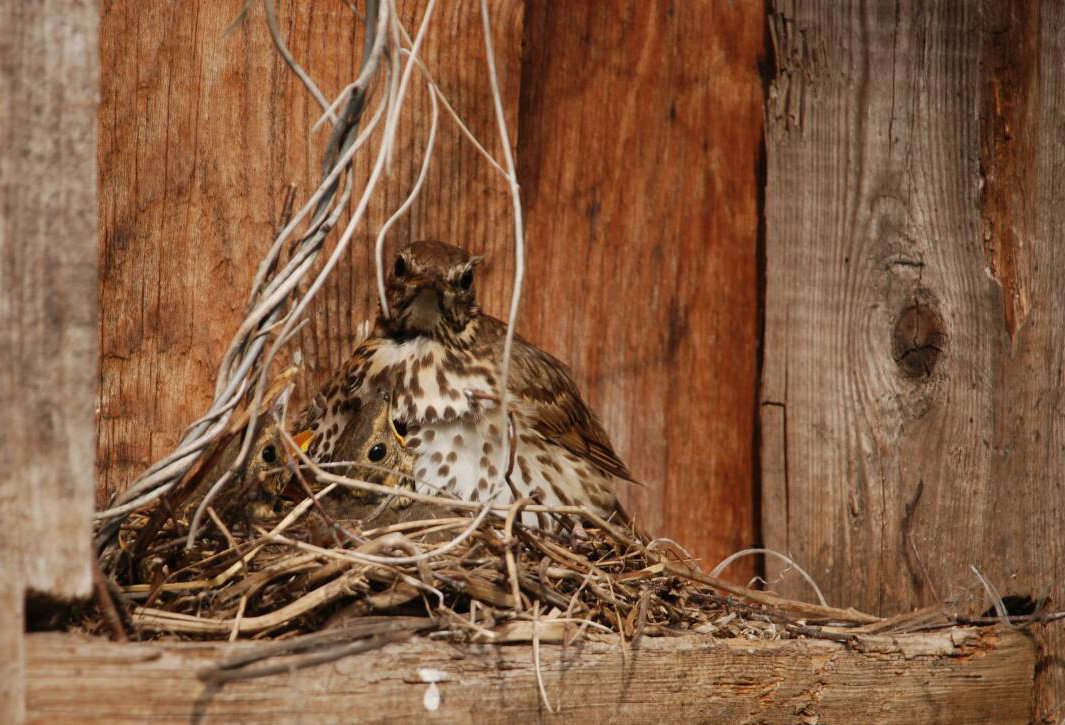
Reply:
x=377, y=453
x=269, y=454
x=466, y=280
x=401, y=267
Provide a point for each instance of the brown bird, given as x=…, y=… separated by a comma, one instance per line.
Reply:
x=440, y=357
x=376, y=449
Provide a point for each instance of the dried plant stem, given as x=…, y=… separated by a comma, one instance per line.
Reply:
x=791, y=562
x=405, y=206
x=519, y=232
x=390, y=129
x=508, y=544
x=275, y=33
x=536, y=658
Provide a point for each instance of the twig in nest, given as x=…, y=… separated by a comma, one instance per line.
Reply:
x=641, y=617
x=508, y=544
x=536, y=658
x=236, y=620
x=222, y=529
x=102, y=593
x=333, y=525
x=1012, y=619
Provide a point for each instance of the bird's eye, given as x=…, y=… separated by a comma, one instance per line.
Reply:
x=377, y=453
x=466, y=280
x=269, y=454
x=401, y=267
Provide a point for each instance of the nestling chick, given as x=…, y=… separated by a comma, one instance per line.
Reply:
x=377, y=454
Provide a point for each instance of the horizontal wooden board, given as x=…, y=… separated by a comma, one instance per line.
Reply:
x=957, y=676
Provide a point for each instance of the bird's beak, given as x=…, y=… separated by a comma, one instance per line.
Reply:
x=395, y=433
x=425, y=309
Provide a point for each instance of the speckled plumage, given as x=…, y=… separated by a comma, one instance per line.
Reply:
x=439, y=358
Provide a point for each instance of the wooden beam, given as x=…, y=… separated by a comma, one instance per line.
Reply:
x=915, y=311
x=49, y=80
x=193, y=181
x=639, y=152
x=960, y=676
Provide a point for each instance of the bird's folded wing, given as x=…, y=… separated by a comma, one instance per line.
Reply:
x=546, y=390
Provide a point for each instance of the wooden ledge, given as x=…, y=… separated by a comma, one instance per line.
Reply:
x=964, y=675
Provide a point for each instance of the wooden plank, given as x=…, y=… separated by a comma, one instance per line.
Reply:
x=639, y=148
x=945, y=677
x=200, y=133
x=1023, y=109
x=49, y=79
x=914, y=304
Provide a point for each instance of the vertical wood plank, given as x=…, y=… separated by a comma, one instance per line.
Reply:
x=639, y=147
x=914, y=305
x=49, y=81
x=200, y=133
x=1022, y=164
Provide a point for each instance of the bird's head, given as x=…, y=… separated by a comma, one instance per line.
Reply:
x=376, y=441
x=430, y=291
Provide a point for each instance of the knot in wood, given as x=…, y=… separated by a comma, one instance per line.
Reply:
x=918, y=340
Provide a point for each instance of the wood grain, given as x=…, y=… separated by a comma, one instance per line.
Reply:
x=1023, y=542
x=935, y=678
x=914, y=162
x=199, y=134
x=49, y=81
x=638, y=159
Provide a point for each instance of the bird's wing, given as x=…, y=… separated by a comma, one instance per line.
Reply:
x=546, y=390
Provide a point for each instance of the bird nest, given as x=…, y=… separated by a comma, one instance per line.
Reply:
x=329, y=585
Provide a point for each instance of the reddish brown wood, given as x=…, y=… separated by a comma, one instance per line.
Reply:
x=200, y=132
x=641, y=129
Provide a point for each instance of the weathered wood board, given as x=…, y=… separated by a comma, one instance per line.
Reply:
x=49, y=86
x=638, y=153
x=915, y=312
x=946, y=677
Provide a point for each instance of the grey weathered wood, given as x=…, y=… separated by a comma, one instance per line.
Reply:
x=915, y=157
x=945, y=677
x=49, y=80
